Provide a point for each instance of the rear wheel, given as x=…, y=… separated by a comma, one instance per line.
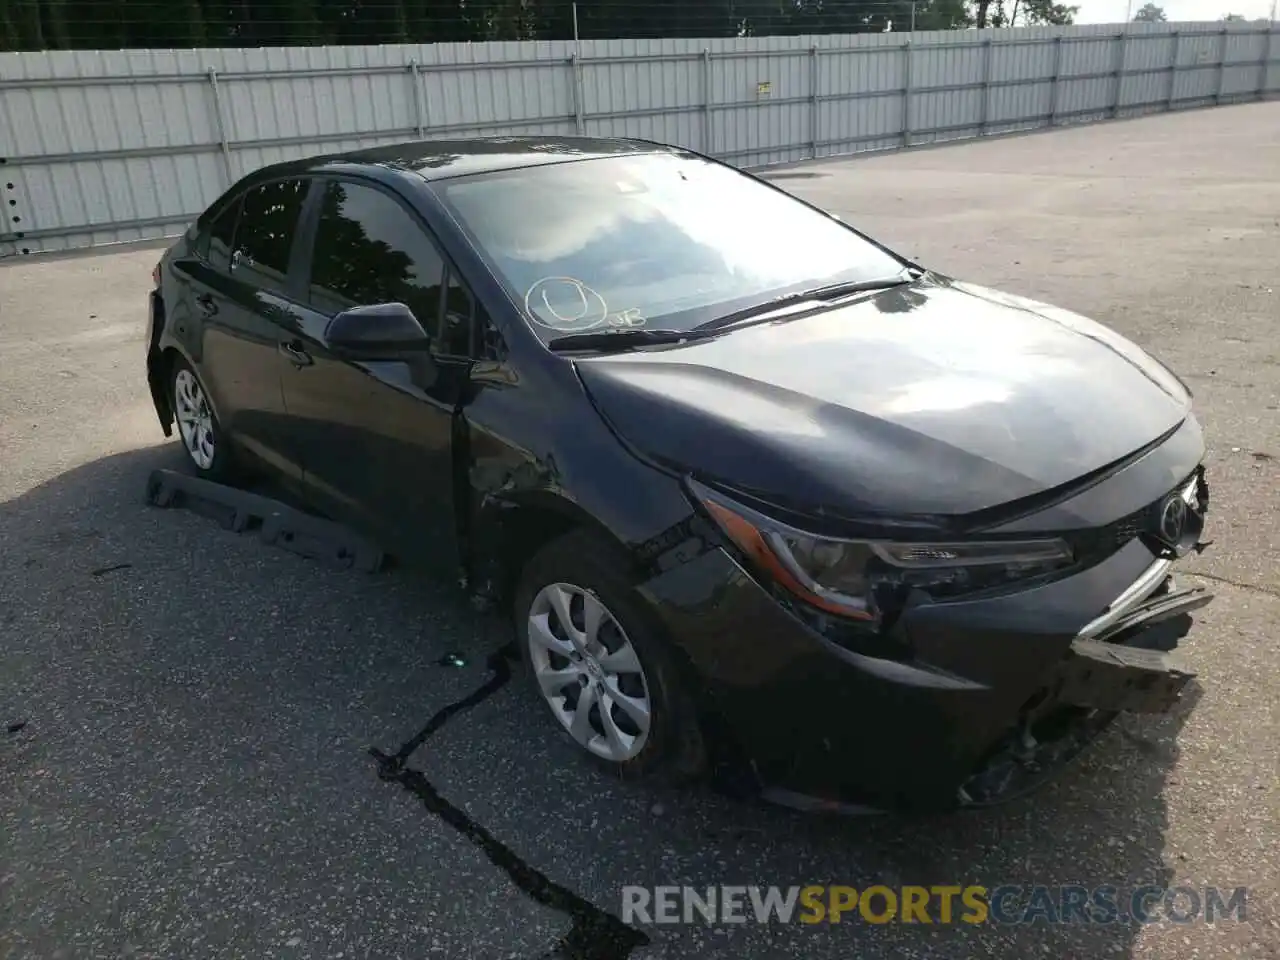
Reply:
x=599, y=664
x=198, y=428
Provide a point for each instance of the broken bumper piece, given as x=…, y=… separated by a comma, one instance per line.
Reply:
x=277, y=523
x=1104, y=676
x=1130, y=668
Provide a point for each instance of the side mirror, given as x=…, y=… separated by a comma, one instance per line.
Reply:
x=376, y=331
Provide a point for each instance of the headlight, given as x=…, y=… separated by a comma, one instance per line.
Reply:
x=855, y=578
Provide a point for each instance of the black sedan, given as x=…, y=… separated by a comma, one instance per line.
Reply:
x=759, y=494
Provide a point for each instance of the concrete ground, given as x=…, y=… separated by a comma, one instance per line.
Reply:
x=186, y=772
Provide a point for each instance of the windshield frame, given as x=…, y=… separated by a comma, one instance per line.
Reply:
x=544, y=335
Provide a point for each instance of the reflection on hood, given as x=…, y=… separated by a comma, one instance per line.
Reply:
x=958, y=404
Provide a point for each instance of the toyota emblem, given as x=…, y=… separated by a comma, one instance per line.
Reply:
x=1173, y=519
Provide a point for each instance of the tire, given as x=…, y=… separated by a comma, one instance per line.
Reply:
x=584, y=569
x=199, y=433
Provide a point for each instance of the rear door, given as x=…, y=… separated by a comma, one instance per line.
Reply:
x=375, y=436
x=204, y=304
x=242, y=297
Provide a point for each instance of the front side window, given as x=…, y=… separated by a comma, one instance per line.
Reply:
x=369, y=250
x=655, y=240
x=265, y=231
x=454, y=339
x=214, y=242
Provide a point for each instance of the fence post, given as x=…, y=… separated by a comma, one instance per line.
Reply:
x=419, y=113
x=575, y=68
x=1122, y=57
x=220, y=123
x=1173, y=70
x=1266, y=64
x=906, y=102
x=708, y=127
x=1057, y=73
x=1265, y=86
x=1222, y=67
x=814, y=75
x=986, y=88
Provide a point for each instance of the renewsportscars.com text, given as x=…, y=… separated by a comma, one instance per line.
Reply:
x=943, y=904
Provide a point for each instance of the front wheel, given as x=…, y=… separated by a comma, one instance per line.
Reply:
x=599, y=665
x=198, y=428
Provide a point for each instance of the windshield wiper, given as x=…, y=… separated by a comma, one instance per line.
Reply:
x=831, y=291
x=618, y=339
x=621, y=339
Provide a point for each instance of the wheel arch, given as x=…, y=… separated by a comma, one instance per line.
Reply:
x=160, y=376
x=510, y=528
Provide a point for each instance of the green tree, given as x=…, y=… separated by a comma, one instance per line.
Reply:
x=300, y=25
x=941, y=15
x=603, y=19
x=1234, y=18
x=1150, y=13
x=53, y=19
x=8, y=32
x=1027, y=13
x=26, y=21
x=499, y=20
x=1037, y=12
x=110, y=24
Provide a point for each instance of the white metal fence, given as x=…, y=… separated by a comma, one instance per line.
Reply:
x=101, y=147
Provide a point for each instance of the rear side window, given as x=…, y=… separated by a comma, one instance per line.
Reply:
x=264, y=235
x=369, y=250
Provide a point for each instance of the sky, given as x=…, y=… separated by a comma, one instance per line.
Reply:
x=1113, y=11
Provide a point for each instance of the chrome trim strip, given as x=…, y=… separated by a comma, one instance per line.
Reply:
x=1139, y=590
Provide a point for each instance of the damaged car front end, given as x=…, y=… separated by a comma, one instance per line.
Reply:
x=931, y=699
x=1122, y=661
x=928, y=704
x=920, y=658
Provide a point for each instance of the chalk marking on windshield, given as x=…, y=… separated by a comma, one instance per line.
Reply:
x=630, y=318
x=585, y=295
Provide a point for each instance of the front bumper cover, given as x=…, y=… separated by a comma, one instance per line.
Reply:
x=1129, y=668
x=982, y=713
x=1136, y=677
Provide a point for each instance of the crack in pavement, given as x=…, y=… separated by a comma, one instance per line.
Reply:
x=1256, y=588
x=595, y=934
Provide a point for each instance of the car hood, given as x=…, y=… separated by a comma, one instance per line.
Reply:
x=940, y=398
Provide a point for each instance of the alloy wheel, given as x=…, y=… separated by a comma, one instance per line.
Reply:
x=588, y=672
x=195, y=420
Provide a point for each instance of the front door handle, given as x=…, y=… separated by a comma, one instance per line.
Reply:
x=294, y=353
x=208, y=306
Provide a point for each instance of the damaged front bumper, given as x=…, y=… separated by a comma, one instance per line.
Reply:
x=1107, y=674
x=1127, y=665
x=1120, y=662
x=999, y=694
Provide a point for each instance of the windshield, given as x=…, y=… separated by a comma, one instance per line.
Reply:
x=654, y=241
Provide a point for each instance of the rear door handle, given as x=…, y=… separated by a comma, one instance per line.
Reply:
x=208, y=306
x=294, y=353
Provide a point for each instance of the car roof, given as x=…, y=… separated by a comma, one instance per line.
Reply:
x=443, y=159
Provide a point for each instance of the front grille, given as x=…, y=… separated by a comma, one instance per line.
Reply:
x=1093, y=546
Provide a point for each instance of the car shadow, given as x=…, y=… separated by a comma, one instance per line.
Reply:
x=367, y=662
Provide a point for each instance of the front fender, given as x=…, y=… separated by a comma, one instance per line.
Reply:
x=537, y=461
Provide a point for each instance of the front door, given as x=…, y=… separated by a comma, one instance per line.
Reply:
x=375, y=437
